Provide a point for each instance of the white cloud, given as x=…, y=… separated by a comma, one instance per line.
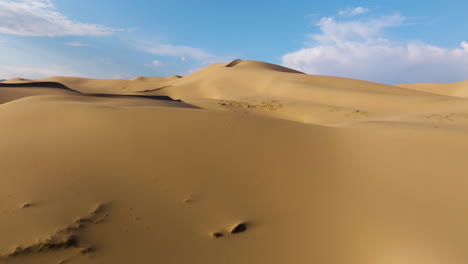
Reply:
x=199, y=57
x=78, y=44
x=358, y=49
x=353, y=11
x=40, y=18
x=333, y=31
x=464, y=45
x=179, y=51
x=156, y=63
x=13, y=71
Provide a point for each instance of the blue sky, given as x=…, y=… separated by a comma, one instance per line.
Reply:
x=384, y=41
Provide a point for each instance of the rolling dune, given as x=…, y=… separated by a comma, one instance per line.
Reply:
x=241, y=162
x=458, y=89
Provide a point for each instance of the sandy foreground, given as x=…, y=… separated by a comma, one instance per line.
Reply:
x=241, y=162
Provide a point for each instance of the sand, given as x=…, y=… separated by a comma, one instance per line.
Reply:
x=251, y=163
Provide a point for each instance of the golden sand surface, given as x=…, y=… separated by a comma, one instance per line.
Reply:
x=241, y=162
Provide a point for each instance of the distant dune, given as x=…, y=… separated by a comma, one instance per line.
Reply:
x=458, y=89
x=240, y=162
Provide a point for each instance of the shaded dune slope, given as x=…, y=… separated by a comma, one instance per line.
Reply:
x=10, y=91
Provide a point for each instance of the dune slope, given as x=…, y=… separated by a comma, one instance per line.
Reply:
x=271, y=90
x=227, y=175
x=458, y=89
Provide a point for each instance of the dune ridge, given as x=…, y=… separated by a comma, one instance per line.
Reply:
x=251, y=163
x=248, y=86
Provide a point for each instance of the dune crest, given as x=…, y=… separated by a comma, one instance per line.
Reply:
x=322, y=100
x=251, y=163
x=258, y=65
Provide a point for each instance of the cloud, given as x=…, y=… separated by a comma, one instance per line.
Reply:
x=78, y=44
x=335, y=32
x=13, y=71
x=179, y=51
x=156, y=63
x=464, y=45
x=353, y=11
x=359, y=49
x=41, y=18
x=199, y=57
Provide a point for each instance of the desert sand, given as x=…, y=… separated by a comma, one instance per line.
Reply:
x=240, y=162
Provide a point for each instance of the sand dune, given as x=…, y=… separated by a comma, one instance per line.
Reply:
x=110, y=86
x=458, y=89
x=251, y=86
x=256, y=164
x=17, y=80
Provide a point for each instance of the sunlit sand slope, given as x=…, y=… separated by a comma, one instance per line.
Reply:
x=256, y=163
